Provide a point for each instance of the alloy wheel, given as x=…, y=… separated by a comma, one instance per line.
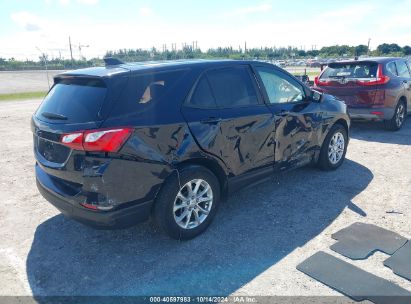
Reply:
x=193, y=203
x=400, y=115
x=336, y=148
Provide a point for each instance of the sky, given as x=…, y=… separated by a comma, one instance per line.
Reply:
x=29, y=28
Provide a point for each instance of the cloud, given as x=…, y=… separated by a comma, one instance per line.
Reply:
x=28, y=21
x=261, y=8
x=145, y=11
x=88, y=2
x=68, y=2
x=356, y=11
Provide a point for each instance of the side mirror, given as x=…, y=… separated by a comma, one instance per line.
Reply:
x=316, y=96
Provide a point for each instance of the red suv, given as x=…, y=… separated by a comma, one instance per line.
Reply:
x=372, y=88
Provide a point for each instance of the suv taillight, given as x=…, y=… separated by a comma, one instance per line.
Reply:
x=102, y=140
x=381, y=78
x=319, y=82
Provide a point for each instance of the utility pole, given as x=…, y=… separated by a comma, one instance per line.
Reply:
x=71, y=50
x=79, y=49
x=368, y=46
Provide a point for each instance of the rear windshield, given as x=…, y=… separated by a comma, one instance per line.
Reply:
x=351, y=70
x=75, y=100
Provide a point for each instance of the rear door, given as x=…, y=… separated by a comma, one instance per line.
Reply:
x=297, y=119
x=405, y=77
x=346, y=81
x=228, y=119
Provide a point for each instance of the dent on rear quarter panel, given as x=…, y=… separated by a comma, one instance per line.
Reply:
x=138, y=171
x=120, y=181
x=165, y=144
x=151, y=152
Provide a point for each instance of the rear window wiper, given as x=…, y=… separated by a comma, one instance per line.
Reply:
x=54, y=116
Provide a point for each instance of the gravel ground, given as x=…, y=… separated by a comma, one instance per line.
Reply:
x=25, y=81
x=258, y=237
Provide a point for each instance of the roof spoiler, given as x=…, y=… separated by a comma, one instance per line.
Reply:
x=112, y=61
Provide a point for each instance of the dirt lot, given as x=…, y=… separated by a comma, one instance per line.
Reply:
x=25, y=81
x=252, y=248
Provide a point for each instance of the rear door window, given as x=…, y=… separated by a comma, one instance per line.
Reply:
x=202, y=95
x=391, y=67
x=73, y=100
x=350, y=70
x=232, y=87
x=146, y=89
x=402, y=69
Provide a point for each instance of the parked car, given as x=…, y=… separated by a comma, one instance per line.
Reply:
x=373, y=88
x=116, y=144
x=314, y=64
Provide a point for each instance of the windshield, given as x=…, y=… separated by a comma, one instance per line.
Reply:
x=351, y=70
x=75, y=100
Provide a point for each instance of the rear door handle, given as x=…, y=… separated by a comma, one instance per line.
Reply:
x=211, y=120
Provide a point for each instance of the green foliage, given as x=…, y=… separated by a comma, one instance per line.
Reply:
x=19, y=96
x=53, y=64
x=385, y=49
x=361, y=50
x=406, y=50
x=188, y=52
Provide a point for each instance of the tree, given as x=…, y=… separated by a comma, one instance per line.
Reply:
x=301, y=53
x=383, y=48
x=406, y=50
x=361, y=50
x=313, y=53
x=386, y=48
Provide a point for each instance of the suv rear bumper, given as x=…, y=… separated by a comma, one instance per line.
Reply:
x=115, y=219
x=371, y=113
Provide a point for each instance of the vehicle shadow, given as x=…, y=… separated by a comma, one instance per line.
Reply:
x=252, y=231
x=374, y=131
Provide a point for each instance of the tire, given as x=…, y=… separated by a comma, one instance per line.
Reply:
x=396, y=122
x=326, y=160
x=198, y=220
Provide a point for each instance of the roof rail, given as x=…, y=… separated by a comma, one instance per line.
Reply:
x=112, y=61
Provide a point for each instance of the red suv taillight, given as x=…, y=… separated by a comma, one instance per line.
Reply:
x=381, y=78
x=103, y=140
x=319, y=82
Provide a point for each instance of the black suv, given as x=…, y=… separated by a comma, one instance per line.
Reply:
x=119, y=143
